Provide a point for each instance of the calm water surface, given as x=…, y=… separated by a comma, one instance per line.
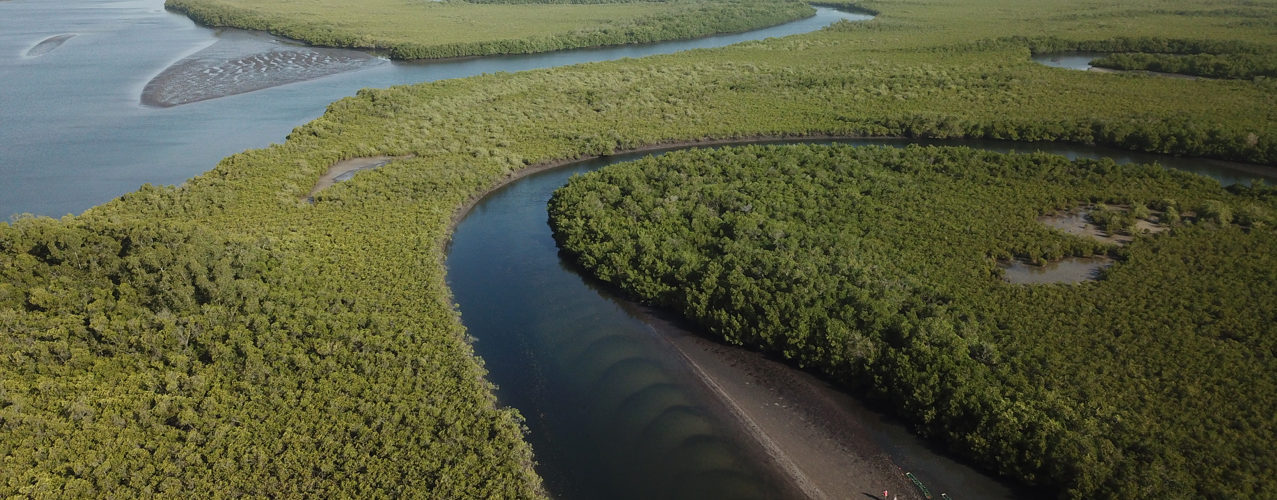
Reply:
x=611, y=410
x=613, y=413
x=75, y=133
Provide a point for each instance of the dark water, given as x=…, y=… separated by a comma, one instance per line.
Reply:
x=612, y=412
x=74, y=132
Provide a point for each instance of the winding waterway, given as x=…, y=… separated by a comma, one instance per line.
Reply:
x=599, y=385
x=614, y=407
x=75, y=132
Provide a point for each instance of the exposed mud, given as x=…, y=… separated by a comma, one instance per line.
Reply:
x=829, y=444
x=242, y=62
x=1078, y=223
x=344, y=170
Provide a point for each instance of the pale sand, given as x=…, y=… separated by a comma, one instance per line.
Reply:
x=336, y=172
x=829, y=445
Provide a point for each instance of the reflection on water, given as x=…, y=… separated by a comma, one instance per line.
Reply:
x=242, y=62
x=1068, y=60
x=1067, y=270
x=613, y=412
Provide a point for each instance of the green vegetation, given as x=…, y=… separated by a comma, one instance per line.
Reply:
x=335, y=324
x=160, y=358
x=431, y=30
x=877, y=267
x=1208, y=65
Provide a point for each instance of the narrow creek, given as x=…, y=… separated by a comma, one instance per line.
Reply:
x=621, y=403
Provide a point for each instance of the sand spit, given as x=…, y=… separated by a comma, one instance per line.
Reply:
x=48, y=44
x=829, y=445
x=241, y=62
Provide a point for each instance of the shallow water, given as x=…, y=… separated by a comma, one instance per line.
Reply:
x=76, y=134
x=1067, y=270
x=240, y=62
x=1068, y=60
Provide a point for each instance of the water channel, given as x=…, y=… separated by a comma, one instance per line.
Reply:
x=614, y=407
x=601, y=384
x=76, y=133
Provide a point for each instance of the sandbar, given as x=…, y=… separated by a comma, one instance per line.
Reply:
x=241, y=62
x=48, y=44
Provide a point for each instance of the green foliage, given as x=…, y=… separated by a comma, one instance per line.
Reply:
x=339, y=366
x=876, y=267
x=1243, y=66
x=430, y=30
x=157, y=359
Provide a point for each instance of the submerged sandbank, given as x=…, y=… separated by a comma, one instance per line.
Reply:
x=48, y=44
x=241, y=62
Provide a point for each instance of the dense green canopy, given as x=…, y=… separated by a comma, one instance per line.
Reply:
x=433, y=30
x=336, y=363
x=877, y=267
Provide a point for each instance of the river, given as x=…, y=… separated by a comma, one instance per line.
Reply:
x=598, y=382
x=614, y=407
x=76, y=133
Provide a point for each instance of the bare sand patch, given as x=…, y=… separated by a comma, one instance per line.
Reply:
x=241, y=62
x=345, y=169
x=1078, y=223
x=829, y=445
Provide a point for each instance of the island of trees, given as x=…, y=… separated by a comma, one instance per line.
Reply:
x=877, y=267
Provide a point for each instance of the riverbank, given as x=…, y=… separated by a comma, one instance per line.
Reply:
x=823, y=442
x=349, y=349
x=438, y=30
x=812, y=432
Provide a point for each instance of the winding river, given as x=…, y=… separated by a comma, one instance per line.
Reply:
x=603, y=382
x=620, y=403
x=77, y=113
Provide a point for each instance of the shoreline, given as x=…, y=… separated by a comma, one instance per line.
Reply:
x=814, y=437
x=388, y=50
x=822, y=449
x=348, y=166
